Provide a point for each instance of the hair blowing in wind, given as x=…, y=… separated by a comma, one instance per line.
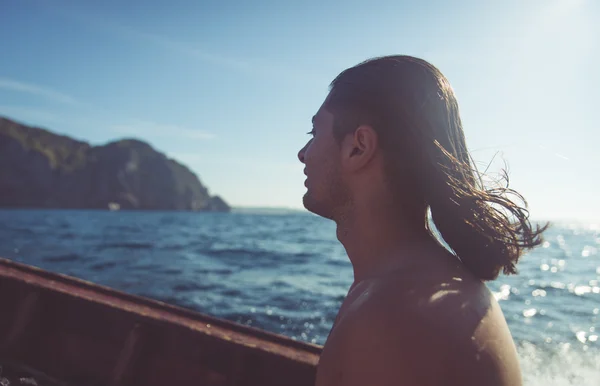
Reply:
x=413, y=109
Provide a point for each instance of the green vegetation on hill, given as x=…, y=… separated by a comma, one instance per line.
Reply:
x=45, y=170
x=60, y=150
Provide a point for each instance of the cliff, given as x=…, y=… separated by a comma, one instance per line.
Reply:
x=40, y=169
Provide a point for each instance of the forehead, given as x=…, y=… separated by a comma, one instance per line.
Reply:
x=323, y=117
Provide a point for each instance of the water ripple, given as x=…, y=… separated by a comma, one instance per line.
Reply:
x=288, y=274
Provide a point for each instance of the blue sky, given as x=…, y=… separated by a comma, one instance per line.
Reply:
x=229, y=88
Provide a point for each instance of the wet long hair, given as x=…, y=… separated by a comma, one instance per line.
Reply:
x=413, y=109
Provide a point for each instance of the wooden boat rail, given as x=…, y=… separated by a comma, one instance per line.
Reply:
x=83, y=334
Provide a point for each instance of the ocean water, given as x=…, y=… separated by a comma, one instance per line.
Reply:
x=287, y=273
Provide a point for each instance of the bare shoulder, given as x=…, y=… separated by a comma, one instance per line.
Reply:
x=373, y=346
x=430, y=329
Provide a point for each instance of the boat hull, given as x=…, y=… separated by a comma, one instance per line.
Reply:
x=83, y=333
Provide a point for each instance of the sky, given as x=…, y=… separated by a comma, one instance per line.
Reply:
x=229, y=87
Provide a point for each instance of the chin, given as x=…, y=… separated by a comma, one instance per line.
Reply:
x=316, y=207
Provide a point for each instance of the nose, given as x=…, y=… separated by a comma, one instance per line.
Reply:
x=301, y=154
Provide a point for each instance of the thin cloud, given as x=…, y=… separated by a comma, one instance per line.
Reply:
x=247, y=163
x=559, y=155
x=33, y=89
x=562, y=156
x=126, y=32
x=254, y=67
x=28, y=113
x=186, y=49
x=145, y=129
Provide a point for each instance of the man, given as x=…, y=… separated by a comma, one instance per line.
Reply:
x=387, y=149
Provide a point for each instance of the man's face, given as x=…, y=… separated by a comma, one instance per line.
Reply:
x=321, y=156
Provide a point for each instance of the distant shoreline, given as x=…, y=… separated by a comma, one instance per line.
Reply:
x=280, y=210
x=241, y=209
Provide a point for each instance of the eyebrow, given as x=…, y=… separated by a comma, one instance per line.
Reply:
x=314, y=118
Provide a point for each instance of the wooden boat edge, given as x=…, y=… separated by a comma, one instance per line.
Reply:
x=250, y=338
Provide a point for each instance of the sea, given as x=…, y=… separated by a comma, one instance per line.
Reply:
x=285, y=272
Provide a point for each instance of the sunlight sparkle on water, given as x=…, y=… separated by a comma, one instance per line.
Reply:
x=557, y=285
x=539, y=292
x=581, y=336
x=582, y=290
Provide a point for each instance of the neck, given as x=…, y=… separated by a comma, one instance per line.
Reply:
x=377, y=238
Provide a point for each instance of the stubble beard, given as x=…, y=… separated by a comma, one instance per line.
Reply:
x=334, y=201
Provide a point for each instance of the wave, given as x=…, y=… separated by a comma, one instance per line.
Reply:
x=62, y=258
x=125, y=245
x=103, y=266
x=563, y=366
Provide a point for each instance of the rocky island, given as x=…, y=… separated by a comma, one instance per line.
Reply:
x=40, y=169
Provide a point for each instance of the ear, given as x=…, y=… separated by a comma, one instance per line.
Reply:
x=359, y=148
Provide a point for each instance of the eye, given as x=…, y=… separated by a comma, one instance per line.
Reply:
x=312, y=132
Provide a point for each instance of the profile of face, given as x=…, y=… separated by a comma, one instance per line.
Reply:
x=326, y=192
